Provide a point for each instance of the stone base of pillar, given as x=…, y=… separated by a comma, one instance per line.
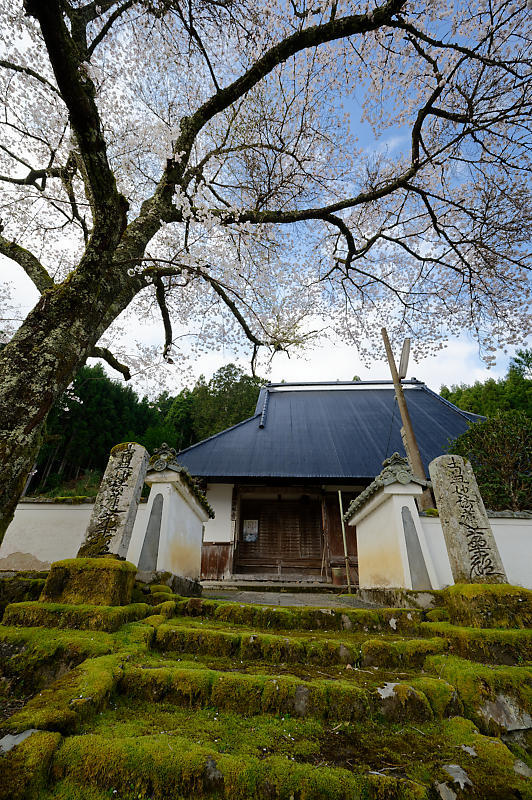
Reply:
x=90, y=581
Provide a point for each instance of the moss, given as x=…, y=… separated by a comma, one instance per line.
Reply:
x=95, y=581
x=17, y=589
x=403, y=703
x=491, y=645
x=437, y=615
x=489, y=605
x=24, y=769
x=476, y=683
x=160, y=587
x=84, y=617
x=72, y=698
x=32, y=657
x=162, y=767
x=442, y=696
x=409, y=653
x=303, y=618
x=161, y=597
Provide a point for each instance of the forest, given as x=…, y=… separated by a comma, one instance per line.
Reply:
x=95, y=413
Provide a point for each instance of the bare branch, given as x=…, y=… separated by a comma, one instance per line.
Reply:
x=106, y=355
x=31, y=73
x=29, y=263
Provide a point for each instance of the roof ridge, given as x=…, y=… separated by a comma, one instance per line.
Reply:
x=466, y=414
x=215, y=435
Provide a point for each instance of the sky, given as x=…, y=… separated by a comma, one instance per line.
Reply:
x=457, y=363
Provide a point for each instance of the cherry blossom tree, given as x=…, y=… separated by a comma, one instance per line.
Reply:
x=193, y=156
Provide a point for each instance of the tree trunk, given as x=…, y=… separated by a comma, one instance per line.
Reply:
x=38, y=364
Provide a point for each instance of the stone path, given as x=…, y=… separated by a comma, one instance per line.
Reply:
x=321, y=600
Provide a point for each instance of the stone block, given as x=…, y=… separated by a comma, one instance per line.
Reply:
x=90, y=581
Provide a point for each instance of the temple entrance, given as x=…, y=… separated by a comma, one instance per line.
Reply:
x=280, y=536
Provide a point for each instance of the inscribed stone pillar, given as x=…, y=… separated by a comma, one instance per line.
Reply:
x=115, y=509
x=473, y=552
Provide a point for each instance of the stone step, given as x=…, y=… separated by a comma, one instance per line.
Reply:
x=301, y=618
x=152, y=751
x=488, y=645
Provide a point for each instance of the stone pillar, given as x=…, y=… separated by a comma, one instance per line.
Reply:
x=115, y=509
x=473, y=553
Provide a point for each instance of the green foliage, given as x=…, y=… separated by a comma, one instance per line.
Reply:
x=228, y=398
x=500, y=452
x=96, y=412
x=514, y=392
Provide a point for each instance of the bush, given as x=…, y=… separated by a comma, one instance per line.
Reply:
x=500, y=452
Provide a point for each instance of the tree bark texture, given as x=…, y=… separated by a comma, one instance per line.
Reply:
x=39, y=362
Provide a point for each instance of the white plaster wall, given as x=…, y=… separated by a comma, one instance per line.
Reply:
x=380, y=557
x=219, y=529
x=434, y=538
x=181, y=535
x=41, y=533
x=513, y=538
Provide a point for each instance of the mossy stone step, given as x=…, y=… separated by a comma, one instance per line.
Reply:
x=33, y=657
x=488, y=605
x=84, y=617
x=496, y=698
x=246, y=645
x=248, y=694
x=303, y=618
x=488, y=645
x=159, y=752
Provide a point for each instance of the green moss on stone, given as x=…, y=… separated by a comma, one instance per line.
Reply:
x=160, y=587
x=24, y=769
x=72, y=698
x=491, y=645
x=478, y=683
x=489, y=605
x=410, y=653
x=84, y=617
x=94, y=581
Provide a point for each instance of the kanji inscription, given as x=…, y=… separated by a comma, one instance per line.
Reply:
x=115, y=509
x=473, y=552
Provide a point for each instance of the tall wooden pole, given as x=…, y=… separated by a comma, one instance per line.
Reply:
x=411, y=446
x=347, y=569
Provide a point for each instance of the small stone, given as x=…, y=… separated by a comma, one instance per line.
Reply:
x=522, y=769
x=458, y=775
x=387, y=690
x=393, y=623
x=506, y=713
x=10, y=740
x=469, y=750
x=445, y=792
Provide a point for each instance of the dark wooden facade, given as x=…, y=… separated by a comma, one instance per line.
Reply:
x=284, y=532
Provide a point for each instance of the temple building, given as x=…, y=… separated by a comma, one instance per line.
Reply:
x=278, y=481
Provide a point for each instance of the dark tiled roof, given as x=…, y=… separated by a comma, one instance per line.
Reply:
x=326, y=431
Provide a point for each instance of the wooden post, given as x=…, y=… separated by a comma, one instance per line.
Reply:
x=347, y=570
x=411, y=447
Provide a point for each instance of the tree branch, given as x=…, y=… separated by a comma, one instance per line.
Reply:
x=30, y=72
x=29, y=263
x=106, y=355
x=161, y=302
x=78, y=91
